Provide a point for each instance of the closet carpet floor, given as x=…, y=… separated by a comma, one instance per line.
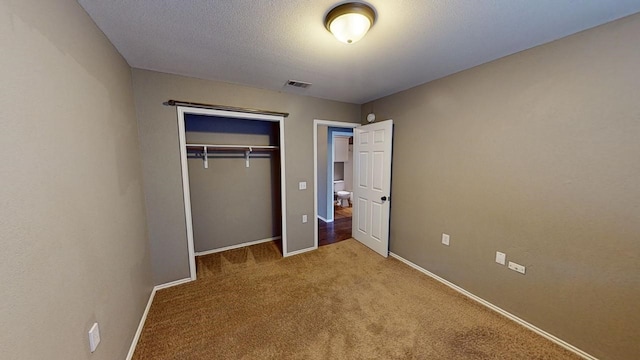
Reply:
x=342, y=301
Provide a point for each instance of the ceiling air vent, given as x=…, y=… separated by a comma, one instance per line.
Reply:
x=298, y=84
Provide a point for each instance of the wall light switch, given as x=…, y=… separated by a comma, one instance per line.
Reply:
x=304, y=219
x=94, y=337
x=445, y=239
x=501, y=258
x=302, y=185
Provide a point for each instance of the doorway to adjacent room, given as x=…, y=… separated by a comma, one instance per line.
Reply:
x=333, y=168
x=369, y=193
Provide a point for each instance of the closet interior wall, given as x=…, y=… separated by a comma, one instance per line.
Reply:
x=233, y=204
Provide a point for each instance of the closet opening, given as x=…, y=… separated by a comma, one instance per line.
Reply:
x=233, y=182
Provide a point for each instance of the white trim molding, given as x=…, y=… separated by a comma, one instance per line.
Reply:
x=302, y=251
x=182, y=111
x=136, y=337
x=231, y=247
x=185, y=189
x=172, y=284
x=325, y=220
x=497, y=309
x=155, y=289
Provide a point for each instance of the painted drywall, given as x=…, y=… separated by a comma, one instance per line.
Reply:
x=72, y=219
x=161, y=158
x=348, y=170
x=535, y=155
x=338, y=171
x=232, y=204
x=344, y=170
x=323, y=174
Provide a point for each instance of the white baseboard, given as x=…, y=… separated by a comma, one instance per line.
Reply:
x=298, y=252
x=208, y=252
x=136, y=337
x=455, y=287
x=500, y=311
x=172, y=284
x=325, y=220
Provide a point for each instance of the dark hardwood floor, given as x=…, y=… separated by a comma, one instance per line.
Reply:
x=338, y=230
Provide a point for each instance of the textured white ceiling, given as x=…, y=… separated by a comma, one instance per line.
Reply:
x=264, y=43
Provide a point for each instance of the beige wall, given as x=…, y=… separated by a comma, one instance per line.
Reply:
x=72, y=219
x=161, y=161
x=536, y=155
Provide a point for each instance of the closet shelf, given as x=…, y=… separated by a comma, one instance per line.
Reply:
x=247, y=149
x=218, y=147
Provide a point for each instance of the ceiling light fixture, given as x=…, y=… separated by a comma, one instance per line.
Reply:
x=350, y=22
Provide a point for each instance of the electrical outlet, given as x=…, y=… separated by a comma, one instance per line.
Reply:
x=302, y=185
x=94, y=337
x=304, y=219
x=516, y=267
x=445, y=239
x=501, y=258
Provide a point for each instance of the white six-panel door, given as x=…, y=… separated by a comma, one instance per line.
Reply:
x=372, y=147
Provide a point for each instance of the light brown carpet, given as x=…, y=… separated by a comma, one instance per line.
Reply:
x=342, y=301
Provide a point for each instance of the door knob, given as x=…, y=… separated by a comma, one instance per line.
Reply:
x=384, y=198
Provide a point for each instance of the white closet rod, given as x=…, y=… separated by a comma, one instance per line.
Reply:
x=233, y=147
x=246, y=148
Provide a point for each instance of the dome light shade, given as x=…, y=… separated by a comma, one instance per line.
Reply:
x=350, y=22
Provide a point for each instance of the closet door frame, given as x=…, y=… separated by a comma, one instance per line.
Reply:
x=185, y=110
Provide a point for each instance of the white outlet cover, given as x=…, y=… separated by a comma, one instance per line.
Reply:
x=304, y=218
x=302, y=185
x=517, y=267
x=94, y=337
x=501, y=258
x=445, y=239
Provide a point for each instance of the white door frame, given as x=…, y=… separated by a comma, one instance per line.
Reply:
x=184, y=110
x=316, y=122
